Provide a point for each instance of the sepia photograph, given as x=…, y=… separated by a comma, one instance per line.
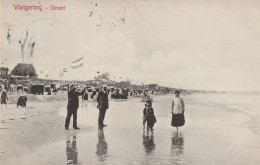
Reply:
x=129, y=82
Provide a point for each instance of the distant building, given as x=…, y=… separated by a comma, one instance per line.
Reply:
x=4, y=71
x=152, y=86
x=123, y=84
x=24, y=70
x=104, y=76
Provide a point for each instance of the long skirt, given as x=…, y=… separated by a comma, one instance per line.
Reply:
x=3, y=101
x=178, y=120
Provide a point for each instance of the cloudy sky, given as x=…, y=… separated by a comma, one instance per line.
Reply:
x=208, y=45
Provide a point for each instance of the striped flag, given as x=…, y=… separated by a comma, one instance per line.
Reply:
x=77, y=63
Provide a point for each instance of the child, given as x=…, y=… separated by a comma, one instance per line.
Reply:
x=148, y=115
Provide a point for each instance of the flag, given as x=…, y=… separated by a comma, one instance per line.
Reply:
x=77, y=63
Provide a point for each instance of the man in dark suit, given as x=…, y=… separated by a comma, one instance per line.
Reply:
x=72, y=107
x=102, y=100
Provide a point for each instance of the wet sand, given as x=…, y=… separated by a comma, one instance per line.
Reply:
x=213, y=133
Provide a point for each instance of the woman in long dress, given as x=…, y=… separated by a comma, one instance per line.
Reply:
x=4, y=98
x=178, y=109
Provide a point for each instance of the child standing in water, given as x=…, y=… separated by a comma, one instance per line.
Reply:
x=148, y=113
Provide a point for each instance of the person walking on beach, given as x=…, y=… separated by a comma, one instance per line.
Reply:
x=102, y=100
x=4, y=98
x=72, y=107
x=148, y=115
x=178, y=109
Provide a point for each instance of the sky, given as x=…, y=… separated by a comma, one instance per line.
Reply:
x=208, y=45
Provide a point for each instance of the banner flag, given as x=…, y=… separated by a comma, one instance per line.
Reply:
x=77, y=63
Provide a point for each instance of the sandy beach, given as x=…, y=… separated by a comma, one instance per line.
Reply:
x=219, y=129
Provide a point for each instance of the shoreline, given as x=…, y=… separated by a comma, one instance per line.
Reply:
x=43, y=126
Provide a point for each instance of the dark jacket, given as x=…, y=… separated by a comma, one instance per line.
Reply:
x=73, y=99
x=102, y=100
x=149, y=115
x=85, y=96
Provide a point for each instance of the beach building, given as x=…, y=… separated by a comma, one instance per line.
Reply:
x=24, y=70
x=122, y=84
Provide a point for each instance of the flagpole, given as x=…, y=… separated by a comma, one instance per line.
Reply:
x=77, y=76
x=83, y=72
x=73, y=75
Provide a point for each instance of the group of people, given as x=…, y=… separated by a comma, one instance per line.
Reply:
x=101, y=98
x=149, y=118
x=123, y=94
x=178, y=109
x=73, y=104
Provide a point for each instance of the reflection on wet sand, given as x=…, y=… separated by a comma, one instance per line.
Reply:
x=71, y=150
x=177, y=147
x=148, y=142
x=101, y=146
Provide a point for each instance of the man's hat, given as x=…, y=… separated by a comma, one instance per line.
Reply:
x=149, y=101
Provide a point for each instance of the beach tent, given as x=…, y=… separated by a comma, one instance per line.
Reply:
x=47, y=88
x=19, y=88
x=65, y=87
x=25, y=88
x=58, y=86
x=13, y=87
x=37, y=89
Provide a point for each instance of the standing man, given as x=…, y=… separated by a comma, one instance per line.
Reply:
x=72, y=107
x=102, y=100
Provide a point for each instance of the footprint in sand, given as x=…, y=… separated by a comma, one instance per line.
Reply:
x=10, y=119
x=23, y=118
